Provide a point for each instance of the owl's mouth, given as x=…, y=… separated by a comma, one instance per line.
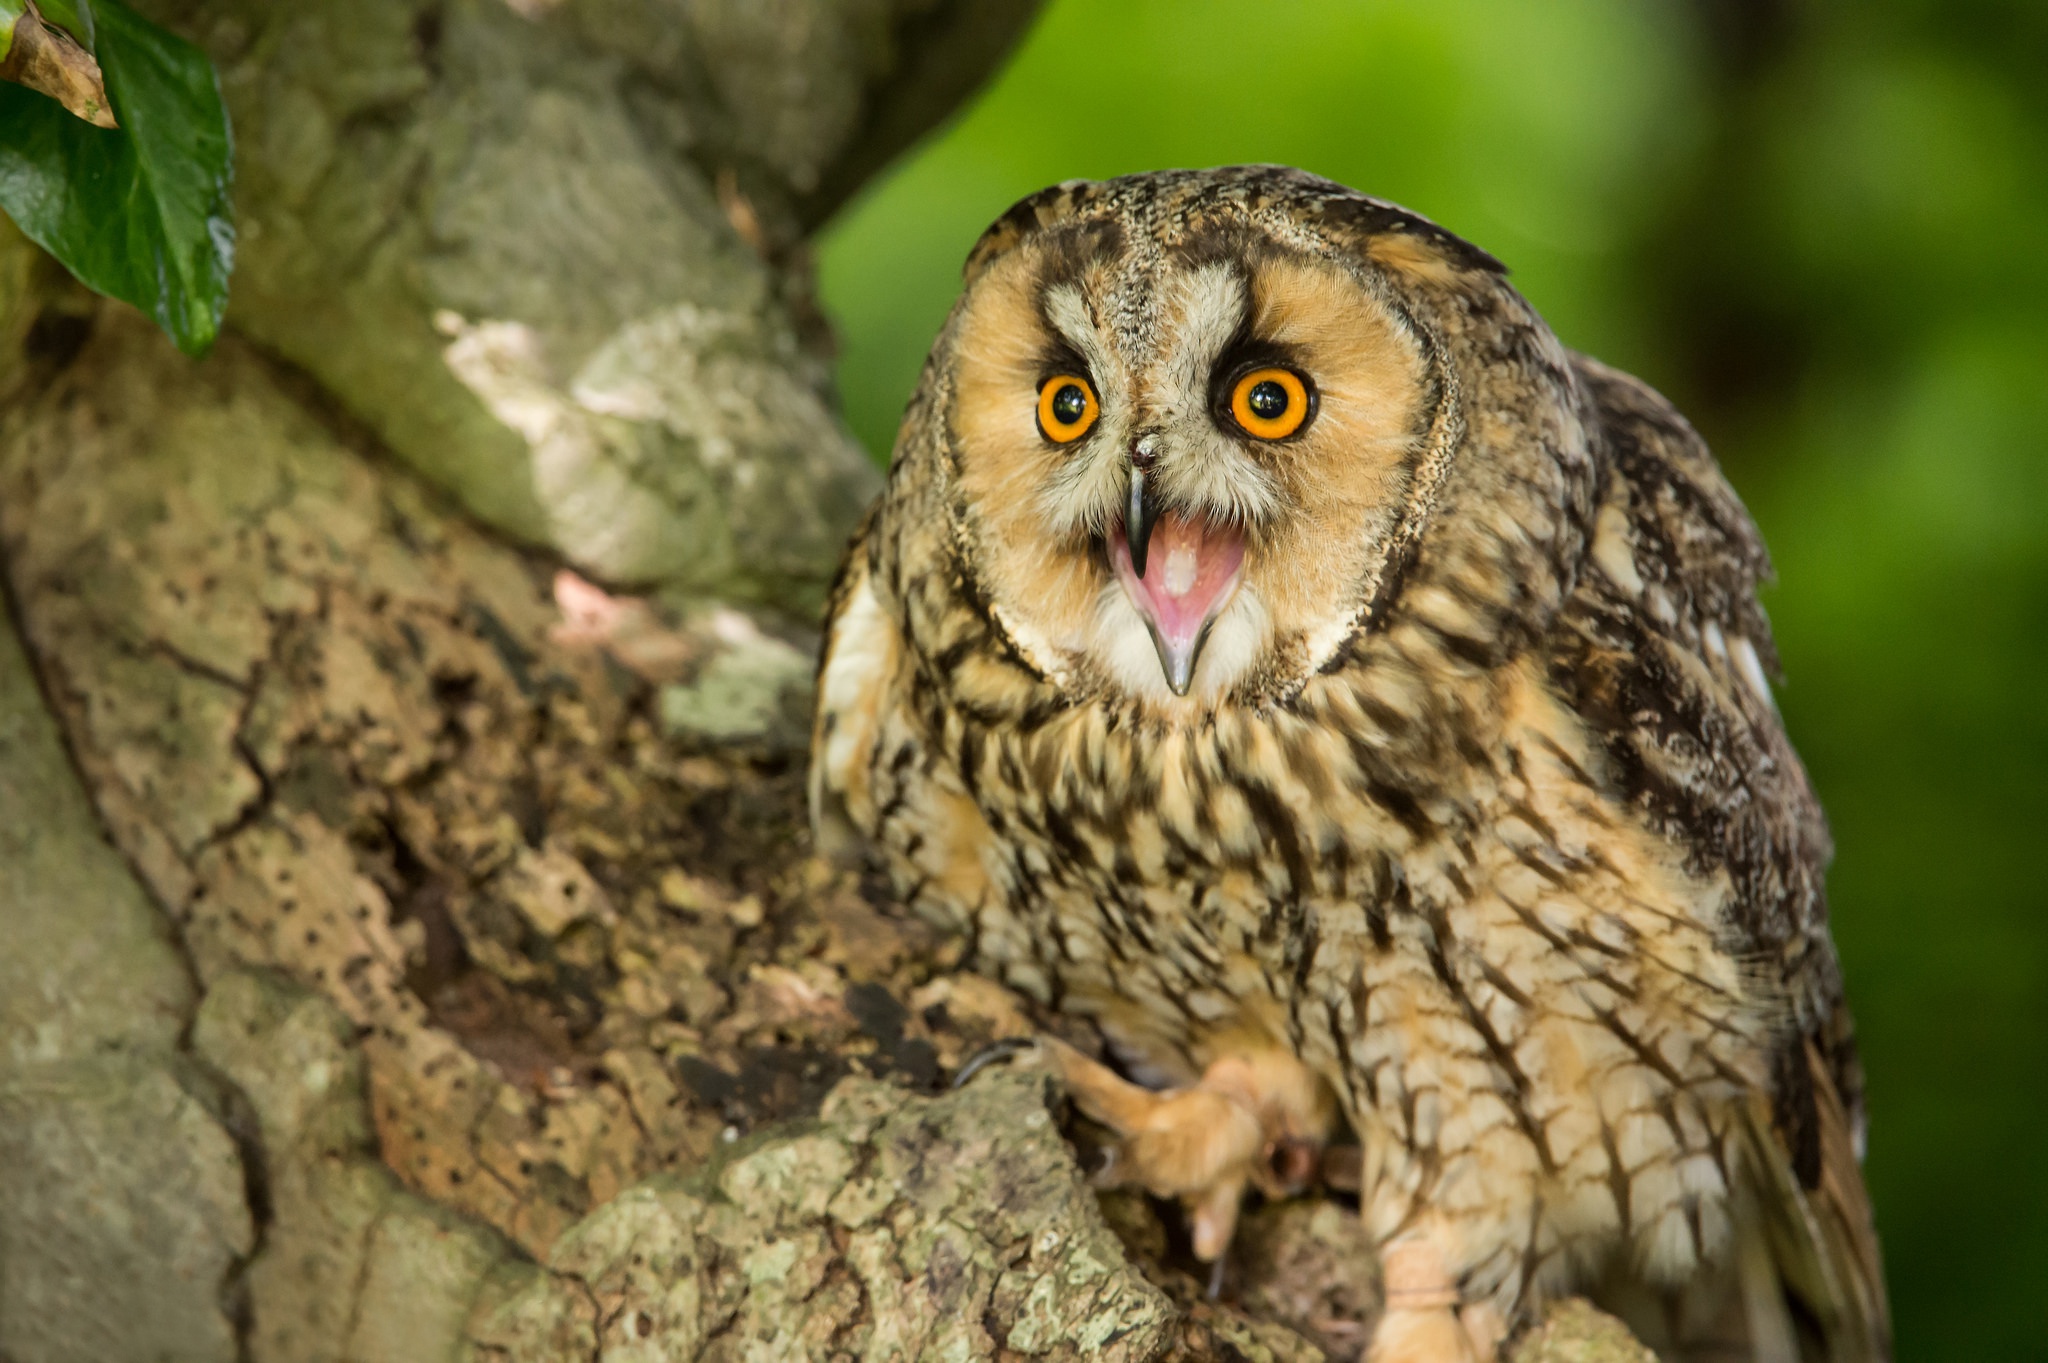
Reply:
x=1185, y=573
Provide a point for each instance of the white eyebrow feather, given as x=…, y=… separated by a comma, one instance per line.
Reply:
x=1069, y=314
x=1210, y=470
x=1211, y=310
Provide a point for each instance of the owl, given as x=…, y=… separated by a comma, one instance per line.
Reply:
x=1274, y=647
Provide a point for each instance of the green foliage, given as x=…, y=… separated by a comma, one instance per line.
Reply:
x=1822, y=237
x=74, y=17
x=142, y=212
x=1544, y=132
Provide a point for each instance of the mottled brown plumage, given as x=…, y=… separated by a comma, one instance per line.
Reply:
x=1468, y=813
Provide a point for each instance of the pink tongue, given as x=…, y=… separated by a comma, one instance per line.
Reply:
x=1189, y=571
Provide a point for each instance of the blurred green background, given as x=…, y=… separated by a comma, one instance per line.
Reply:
x=1822, y=228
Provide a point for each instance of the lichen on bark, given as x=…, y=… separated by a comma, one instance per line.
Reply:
x=948, y=1227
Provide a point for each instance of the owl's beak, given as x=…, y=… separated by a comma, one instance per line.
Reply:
x=1182, y=588
x=1140, y=517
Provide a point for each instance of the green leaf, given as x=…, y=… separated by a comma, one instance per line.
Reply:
x=10, y=15
x=76, y=19
x=141, y=213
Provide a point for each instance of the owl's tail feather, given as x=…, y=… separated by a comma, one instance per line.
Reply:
x=1804, y=1283
x=1811, y=1275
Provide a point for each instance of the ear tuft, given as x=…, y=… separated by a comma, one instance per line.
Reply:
x=1029, y=215
x=1392, y=236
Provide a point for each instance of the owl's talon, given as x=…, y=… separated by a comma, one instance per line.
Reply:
x=988, y=1055
x=1253, y=1119
x=1216, y=1269
x=1423, y=1320
x=1212, y=1223
x=1104, y=1175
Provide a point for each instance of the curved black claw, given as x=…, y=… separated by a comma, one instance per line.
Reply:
x=1216, y=1272
x=989, y=1054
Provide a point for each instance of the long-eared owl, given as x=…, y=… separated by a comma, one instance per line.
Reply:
x=1274, y=646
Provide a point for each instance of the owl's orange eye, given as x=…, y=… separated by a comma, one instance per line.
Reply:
x=1271, y=404
x=1066, y=408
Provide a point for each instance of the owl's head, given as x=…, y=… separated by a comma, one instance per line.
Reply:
x=1189, y=422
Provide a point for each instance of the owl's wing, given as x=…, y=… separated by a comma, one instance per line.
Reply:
x=1668, y=655
x=857, y=667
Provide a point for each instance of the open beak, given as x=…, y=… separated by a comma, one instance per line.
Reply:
x=1179, y=571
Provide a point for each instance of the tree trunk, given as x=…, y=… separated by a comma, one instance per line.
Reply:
x=466, y=991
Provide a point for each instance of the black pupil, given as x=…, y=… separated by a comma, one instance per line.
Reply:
x=1268, y=400
x=1069, y=405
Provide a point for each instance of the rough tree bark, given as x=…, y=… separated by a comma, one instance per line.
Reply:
x=410, y=950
